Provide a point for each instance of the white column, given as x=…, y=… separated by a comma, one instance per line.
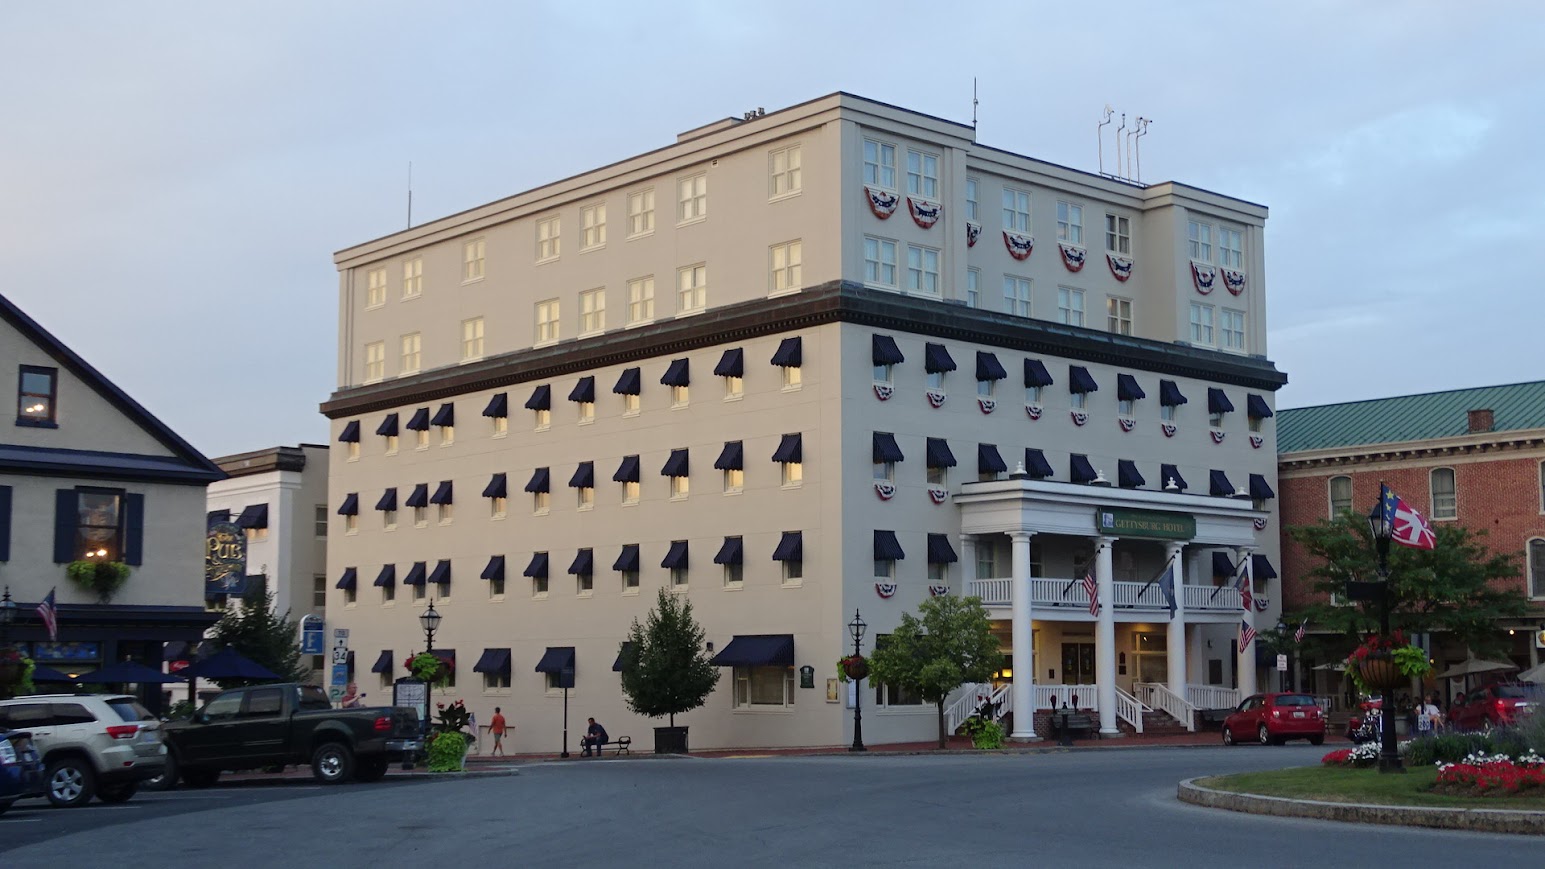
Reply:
x=1021, y=690
x=1246, y=663
x=1175, y=640
x=1105, y=638
x=967, y=564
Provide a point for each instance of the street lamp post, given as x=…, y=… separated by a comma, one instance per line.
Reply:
x=856, y=628
x=7, y=615
x=429, y=619
x=1382, y=530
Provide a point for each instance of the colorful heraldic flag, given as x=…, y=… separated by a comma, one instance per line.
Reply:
x=1410, y=528
x=1093, y=589
x=1246, y=634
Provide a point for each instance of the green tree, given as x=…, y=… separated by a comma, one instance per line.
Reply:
x=1459, y=587
x=950, y=645
x=262, y=636
x=665, y=670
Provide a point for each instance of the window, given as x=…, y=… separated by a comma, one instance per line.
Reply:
x=351, y=524
x=640, y=300
x=1124, y=407
x=879, y=164
x=1016, y=210
x=498, y=507
x=420, y=518
x=375, y=361
x=734, y=481
x=734, y=571
x=37, y=393
x=592, y=221
x=422, y=436
x=939, y=477
x=692, y=198
x=938, y=571
x=1167, y=412
x=681, y=396
x=319, y=522
x=923, y=174
x=472, y=260
x=548, y=239
x=885, y=373
x=351, y=596
x=1231, y=330
x=1231, y=252
x=1340, y=496
x=1070, y=306
x=923, y=270
x=539, y=589
x=472, y=339
x=541, y=503
x=445, y=512
x=934, y=380
x=1199, y=239
x=679, y=576
x=1118, y=315
x=793, y=571
x=783, y=172
x=585, y=497
x=318, y=591
x=592, y=311
x=793, y=473
x=1078, y=400
x=630, y=492
x=895, y=695
x=885, y=472
x=412, y=277
x=973, y=288
x=496, y=679
x=973, y=210
x=793, y=376
x=884, y=568
x=1070, y=223
x=99, y=524
x=388, y=593
x=412, y=355
x=641, y=213
x=375, y=290
x=734, y=387
x=680, y=487
x=1536, y=557
x=986, y=560
x=544, y=419
x=879, y=261
x=1032, y=395
x=1201, y=324
x=986, y=388
x=1118, y=234
x=630, y=405
x=501, y=425
x=764, y=686
x=692, y=288
x=1444, y=501
x=1016, y=296
x=786, y=259
x=547, y=321
x=496, y=588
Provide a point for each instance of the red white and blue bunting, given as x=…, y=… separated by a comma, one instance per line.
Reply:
x=881, y=203
x=1072, y=257
x=1020, y=245
x=1204, y=276
x=884, y=391
x=938, y=495
x=1217, y=436
x=1033, y=411
x=1169, y=429
x=936, y=398
x=885, y=590
x=1234, y=281
x=1262, y=603
x=986, y=404
x=1120, y=266
x=1079, y=417
x=973, y=232
x=1256, y=441
x=1126, y=423
x=885, y=489
x=937, y=588
x=1260, y=524
x=925, y=213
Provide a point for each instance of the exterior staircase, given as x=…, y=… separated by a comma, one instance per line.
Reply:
x=1155, y=723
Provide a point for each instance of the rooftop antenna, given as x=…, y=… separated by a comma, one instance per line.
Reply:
x=1099, y=135
x=1142, y=130
x=1119, y=131
x=974, y=102
x=410, y=194
x=1130, y=133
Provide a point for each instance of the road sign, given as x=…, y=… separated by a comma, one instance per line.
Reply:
x=1282, y=663
x=340, y=656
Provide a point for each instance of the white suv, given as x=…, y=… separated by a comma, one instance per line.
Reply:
x=100, y=745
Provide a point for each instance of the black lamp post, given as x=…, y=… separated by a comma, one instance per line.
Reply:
x=856, y=628
x=1282, y=675
x=7, y=615
x=1382, y=530
x=430, y=620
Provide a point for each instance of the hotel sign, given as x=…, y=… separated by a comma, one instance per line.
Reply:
x=1157, y=524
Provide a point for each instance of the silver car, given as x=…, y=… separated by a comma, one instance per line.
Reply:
x=101, y=745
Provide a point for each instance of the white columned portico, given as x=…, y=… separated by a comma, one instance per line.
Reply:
x=967, y=562
x=1022, y=692
x=1105, y=637
x=1246, y=662
x=1175, y=640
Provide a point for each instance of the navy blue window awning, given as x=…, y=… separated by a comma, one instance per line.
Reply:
x=383, y=662
x=498, y=406
x=253, y=516
x=584, y=476
x=498, y=487
x=936, y=359
x=1036, y=465
x=445, y=416
x=539, y=481
x=350, y=505
x=678, y=373
x=388, y=500
x=387, y=577
x=1036, y=373
x=584, y=390
x=1080, y=380
x=1079, y=469
x=731, y=364
x=541, y=398
x=676, y=465
x=988, y=461
x=630, y=382
x=731, y=552
x=493, y=661
x=1222, y=565
x=938, y=453
x=1127, y=476
x=556, y=659
x=1261, y=568
x=443, y=493
x=420, y=496
x=791, y=547
x=1218, y=484
x=731, y=458
x=791, y=353
x=676, y=556
x=1255, y=407
x=1217, y=401
x=1169, y=394
x=388, y=426
x=988, y=367
x=627, y=559
x=791, y=450
x=350, y=433
x=416, y=574
x=883, y=350
x=1127, y=388
x=537, y=567
x=350, y=579
x=583, y=563
x=622, y=654
x=887, y=547
x=495, y=568
x=441, y=575
x=885, y=449
x=1170, y=474
x=627, y=470
x=420, y=420
x=758, y=650
x=940, y=551
x=1260, y=490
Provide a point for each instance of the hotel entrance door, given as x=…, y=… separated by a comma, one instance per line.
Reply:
x=1078, y=664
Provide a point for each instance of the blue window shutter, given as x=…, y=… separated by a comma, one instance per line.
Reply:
x=5, y=523
x=65, y=519
x=133, y=529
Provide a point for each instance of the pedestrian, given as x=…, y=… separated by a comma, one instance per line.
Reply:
x=351, y=698
x=595, y=737
x=496, y=726
x=1435, y=712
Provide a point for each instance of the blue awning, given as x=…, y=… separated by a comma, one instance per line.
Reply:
x=627, y=470
x=1255, y=407
x=883, y=350
x=887, y=547
x=1127, y=388
x=791, y=547
x=790, y=353
x=493, y=661
x=938, y=455
x=1168, y=474
x=1169, y=394
x=731, y=458
x=790, y=449
x=885, y=449
x=732, y=551
x=627, y=559
x=446, y=415
x=416, y=574
x=760, y=650
x=1036, y=373
x=350, y=505
x=988, y=461
x=1260, y=567
x=676, y=556
x=1260, y=490
x=383, y=662
x=441, y=575
x=940, y=551
x=583, y=563
x=1217, y=401
x=442, y=493
x=584, y=476
x=419, y=421
x=388, y=500
x=630, y=382
x=1127, y=476
x=420, y=496
x=495, y=568
x=622, y=652
x=556, y=659
x=1080, y=380
x=541, y=398
x=584, y=390
x=350, y=579
x=988, y=367
x=388, y=426
x=1218, y=484
x=1036, y=465
x=387, y=576
x=678, y=373
x=497, y=487
x=350, y=433
x=1079, y=469
x=676, y=465
x=936, y=359
x=731, y=364
x=538, y=482
x=253, y=516
x=498, y=406
x=1222, y=565
x=537, y=569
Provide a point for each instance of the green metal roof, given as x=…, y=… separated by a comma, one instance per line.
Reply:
x=1406, y=418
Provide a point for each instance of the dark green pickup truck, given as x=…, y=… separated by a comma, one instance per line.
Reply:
x=277, y=725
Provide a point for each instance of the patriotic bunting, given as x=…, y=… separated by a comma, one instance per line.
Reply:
x=1072, y=257
x=1260, y=524
x=885, y=589
x=881, y=203
x=936, y=398
x=884, y=391
x=1256, y=441
x=1079, y=417
x=987, y=404
x=885, y=489
x=1204, y=276
x=1217, y=436
x=1019, y=244
x=924, y=213
x=1033, y=411
x=1168, y=428
x=973, y=233
x=1125, y=423
x=1120, y=266
x=938, y=495
x=937, y=588
x=1233, y=281
x=1262, y=604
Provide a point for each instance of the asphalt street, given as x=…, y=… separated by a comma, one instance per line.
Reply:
x=1086, y=808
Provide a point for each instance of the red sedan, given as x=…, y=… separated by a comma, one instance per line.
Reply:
x=1272, y=719
x=1492, y=706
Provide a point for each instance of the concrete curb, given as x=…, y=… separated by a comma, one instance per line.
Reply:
x=1474, y=820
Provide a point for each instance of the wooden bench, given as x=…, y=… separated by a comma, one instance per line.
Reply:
x=1213, y=717
x=619, y=746
x=1076, y=721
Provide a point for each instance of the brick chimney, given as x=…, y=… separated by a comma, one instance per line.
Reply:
x=1480, y=421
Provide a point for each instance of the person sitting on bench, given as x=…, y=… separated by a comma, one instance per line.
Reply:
x=595, y=737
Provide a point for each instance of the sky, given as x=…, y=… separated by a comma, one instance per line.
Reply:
x=174, y=177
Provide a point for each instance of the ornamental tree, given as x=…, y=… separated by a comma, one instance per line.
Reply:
x=262, y=636
x=948, y=644
x=665, y=670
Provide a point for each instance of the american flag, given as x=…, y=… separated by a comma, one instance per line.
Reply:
x=50, y=616
x=1246, y=633
x=1093, y=591
x=1298, y=635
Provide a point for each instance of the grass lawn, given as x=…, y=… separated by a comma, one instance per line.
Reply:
x=1348, y=785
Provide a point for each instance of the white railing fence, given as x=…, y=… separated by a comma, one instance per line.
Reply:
x=1212, y=697
x=1207, y=598
x=993, y=592
x=1130, y=710
x=1082, y=697
x=972, y=696
x=1058, y=593
x=1160, y=697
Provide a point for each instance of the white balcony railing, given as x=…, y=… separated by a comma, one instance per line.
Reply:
x=1082, y=697
x=1206, y=598
x=1212, y=697
x=993, y=592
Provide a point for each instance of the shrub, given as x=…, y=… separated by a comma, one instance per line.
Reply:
x=446, y=751
x=1443, y=748
x=984, y=732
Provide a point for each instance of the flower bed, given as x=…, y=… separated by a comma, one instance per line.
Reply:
x=1492, y=775
x=1363, y=755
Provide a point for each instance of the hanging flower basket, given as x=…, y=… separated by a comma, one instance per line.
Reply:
x=855, y=667
x=1384, y=663
x=1381, y=673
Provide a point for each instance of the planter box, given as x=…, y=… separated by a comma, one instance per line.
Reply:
x=670, y=740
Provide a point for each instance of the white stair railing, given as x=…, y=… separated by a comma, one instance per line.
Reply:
x=1130, y=710
x=1160, y=697
x=1080, y=697
x=1212, y=697
x=972, y=696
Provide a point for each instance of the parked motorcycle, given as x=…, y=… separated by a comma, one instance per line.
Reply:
x=1366, y=726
